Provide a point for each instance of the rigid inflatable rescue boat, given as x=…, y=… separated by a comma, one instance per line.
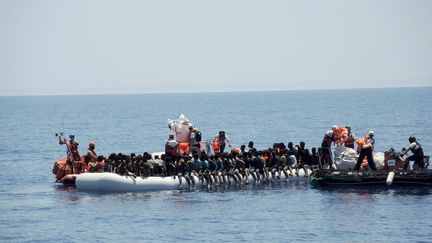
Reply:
x=376, y=178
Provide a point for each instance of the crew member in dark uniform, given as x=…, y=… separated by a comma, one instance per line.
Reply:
x=366, y=149
x=418, y=155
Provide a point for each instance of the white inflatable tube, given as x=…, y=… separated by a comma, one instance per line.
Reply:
x=111, y=182
x=390, y=178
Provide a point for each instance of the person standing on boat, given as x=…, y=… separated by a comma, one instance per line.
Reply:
x=72, y=151
x=366, y=147
x=221, y=139
x=171, y=147
x=417, y=157
x=326, y=158
x=349, y=142
x=91, y=153
x=195, y=141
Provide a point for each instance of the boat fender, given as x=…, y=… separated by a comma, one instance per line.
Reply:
x=390, y=178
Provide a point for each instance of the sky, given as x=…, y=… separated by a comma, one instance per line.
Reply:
x=56, y=47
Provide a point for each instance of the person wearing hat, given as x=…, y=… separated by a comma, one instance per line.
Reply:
x=366, y=148
x=171, y=147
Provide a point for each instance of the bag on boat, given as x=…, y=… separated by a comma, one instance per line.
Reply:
x=379, y=160
x=181, y=128
x=344, y=158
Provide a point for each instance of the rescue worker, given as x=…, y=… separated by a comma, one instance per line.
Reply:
x=171, y=147
x=221, y=139
x=73, y=155
x=349, y=142
x=366, y=147
x=417, y=157
x=326, y=158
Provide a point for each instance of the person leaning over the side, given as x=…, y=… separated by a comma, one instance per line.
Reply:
x=417, y=157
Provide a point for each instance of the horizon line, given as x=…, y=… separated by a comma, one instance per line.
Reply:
x=206, y=92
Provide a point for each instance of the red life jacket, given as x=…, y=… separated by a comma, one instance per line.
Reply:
x=350, y=140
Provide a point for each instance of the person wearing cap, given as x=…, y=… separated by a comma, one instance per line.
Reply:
x=222, y=139
x=326, y=159
x=171, y=147
x=73, y=155
x=371, y=135
x=366, y=148
x=72, y=148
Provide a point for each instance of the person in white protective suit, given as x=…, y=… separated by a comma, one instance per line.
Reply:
x=181, y=128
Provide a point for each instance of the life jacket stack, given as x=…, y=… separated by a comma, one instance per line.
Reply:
x=340, y=135
x=63, y=168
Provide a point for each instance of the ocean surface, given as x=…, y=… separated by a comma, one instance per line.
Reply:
x=33, y=208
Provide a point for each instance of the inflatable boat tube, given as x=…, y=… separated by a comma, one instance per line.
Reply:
x=111, y=182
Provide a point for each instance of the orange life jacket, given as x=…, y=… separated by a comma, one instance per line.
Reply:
x=183, y=148
x=59, y=168
x=350, y=140
x=235, y=150
x=340, y=134
x=216, y=146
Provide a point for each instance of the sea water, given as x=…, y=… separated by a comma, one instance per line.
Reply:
x=34, y=208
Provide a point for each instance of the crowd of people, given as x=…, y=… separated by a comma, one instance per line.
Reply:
x=186, y=155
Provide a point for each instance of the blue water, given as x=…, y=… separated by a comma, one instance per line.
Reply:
x=34, y=208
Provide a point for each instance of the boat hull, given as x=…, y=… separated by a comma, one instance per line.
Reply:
x=377, y=178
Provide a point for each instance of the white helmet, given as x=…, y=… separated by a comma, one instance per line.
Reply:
x=329, y=133
x=371, y=133
x=334, y=126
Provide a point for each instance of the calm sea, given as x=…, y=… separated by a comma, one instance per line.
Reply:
x=34, y=208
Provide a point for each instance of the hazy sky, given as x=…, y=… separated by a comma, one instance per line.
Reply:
x=101, y=46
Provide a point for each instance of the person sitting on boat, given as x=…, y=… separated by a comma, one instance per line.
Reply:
x=171, y=146
x=73, y=155
x=221, y=139
x=366, y=147
x=250, y=146
x=350, y=140
x=326, y=158
x=314, y=158
x=291, y=150
x=303, y=154
x=417, y=157
x=100, y=163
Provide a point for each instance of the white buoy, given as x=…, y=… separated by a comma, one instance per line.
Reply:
x=390, y=178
